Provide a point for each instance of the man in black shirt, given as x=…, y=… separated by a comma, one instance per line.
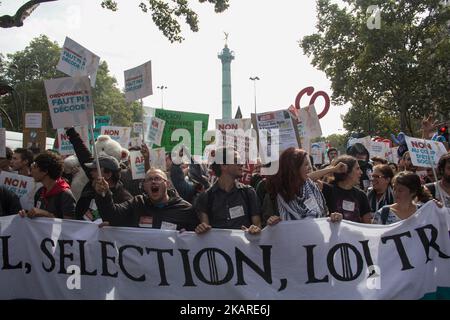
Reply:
x=228, y=204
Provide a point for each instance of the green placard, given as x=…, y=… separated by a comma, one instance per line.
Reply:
x=100, y=121
x=183, y=120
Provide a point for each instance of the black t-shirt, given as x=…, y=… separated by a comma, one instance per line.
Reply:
x=366, y=178
x=229, y=210
x=353, y=203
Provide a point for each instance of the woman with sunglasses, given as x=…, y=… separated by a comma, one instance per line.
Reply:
x=381, y=193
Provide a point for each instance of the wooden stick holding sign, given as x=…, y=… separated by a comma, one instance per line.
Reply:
x=99, y=171
x=143, y=115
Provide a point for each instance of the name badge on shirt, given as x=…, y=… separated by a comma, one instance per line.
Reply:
x=237, y=212
x=348, y=205
x=312, y=205
x=38, y=204
x=145, y=221
x=168, y=226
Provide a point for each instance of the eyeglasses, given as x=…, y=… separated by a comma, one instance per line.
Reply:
x=156, y=179
x=377, y=176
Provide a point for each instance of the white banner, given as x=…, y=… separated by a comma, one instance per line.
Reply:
x=65, y=146
x=76, y=60
x=155, y=131
x=310, y=259
x=70, y=102
x=137, y=164
x=425, y=153
x=23, y=186
x=138, y=82
x=119, y=134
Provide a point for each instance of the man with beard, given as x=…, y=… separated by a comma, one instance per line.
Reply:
x=228, y=204
x=443, y=185
x=158, y=208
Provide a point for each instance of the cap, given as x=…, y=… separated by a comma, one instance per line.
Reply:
x=106, y=162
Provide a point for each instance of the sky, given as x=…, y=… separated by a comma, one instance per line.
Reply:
x=264, y=36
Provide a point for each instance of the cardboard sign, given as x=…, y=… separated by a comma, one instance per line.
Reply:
x=35, y=140
x=22, y=186
x=65, y=147
x=137, y=127
x=70, y=102
x=425, y=153
x=119, y=134
x=135, y=142
x=138, y=82
x=309, y=125
x=33, y=120
x=393, y=155
x=158, y=158
x=317, y=152
x=137, y=163
x=379, y=149
x=155, y=131
x=76, y=60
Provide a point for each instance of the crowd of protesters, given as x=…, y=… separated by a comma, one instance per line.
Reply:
x=201, y=196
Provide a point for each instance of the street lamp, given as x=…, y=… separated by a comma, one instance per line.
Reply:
x=254, y=88
x=162, y=94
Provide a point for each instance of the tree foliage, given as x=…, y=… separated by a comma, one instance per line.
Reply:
x=401, y=68
x=167, y=14
x=26, y=70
